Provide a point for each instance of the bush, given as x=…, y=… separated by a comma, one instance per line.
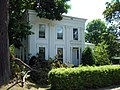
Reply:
x=101, y=55
x=88, y=57
x=82, y=78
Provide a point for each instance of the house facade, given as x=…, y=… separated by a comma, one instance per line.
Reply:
x=64, y=38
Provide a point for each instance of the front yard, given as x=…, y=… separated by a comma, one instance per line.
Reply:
x=32, y=86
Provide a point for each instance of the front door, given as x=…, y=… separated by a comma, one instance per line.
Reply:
x=75, y=56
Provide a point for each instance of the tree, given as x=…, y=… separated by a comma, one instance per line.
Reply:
x=88, y=57
x=101, y=55
x=112, y=11
x=50, y=9
x=112, y=16
x=17, y=30
x=95, y=29
x=4, y=43
x=113, y=46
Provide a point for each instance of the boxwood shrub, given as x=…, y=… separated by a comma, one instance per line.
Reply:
x=84, y=77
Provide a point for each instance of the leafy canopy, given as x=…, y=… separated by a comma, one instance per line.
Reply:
x=112, y=16
x=101, y=54
x=112, y=11
x=95, y=29
x=50, y=9
x=113, y=46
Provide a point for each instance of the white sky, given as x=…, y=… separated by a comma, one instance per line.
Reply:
x=88, y=9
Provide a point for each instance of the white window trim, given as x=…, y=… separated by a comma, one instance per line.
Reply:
x=46, y=31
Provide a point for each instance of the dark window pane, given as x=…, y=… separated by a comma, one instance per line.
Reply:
x=42, y=53
x=60, y=54
x=75, y=34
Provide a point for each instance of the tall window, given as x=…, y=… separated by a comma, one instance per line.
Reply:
x=41, y=31
x=75, y=34
x=42, y=53
x=59, y=30
x=60, y=54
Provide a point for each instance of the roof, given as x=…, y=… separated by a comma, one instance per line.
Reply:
x=64, y=16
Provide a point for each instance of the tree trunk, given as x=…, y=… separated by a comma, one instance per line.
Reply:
x=4, y=43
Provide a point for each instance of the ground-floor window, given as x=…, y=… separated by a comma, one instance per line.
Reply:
x=42, y=53
x=60, y=54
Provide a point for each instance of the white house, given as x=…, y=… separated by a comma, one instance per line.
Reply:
x=64, y=38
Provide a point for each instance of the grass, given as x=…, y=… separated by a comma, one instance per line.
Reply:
x=31, y=86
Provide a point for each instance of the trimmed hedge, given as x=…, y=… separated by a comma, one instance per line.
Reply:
x=82, y=78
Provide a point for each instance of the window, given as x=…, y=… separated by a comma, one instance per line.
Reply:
x=41, y=31
x=59, y=30
x=42, y=53
x=60, y=54
x=75, y=34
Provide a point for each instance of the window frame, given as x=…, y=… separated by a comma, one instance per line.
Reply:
x=62, y=36
x=77, y=37
x=44, y=53
x=42, y=36
x=60, y=58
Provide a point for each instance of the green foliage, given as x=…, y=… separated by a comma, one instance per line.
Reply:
x=112, y=11
x=101, y=55
x=52, y=9
x=83, y=78
x=97, y=33
x=41, y=76
x=112, y=44
x=19, y=29
x=17, y=71
x=88, y=57
x=12, y=49
x=94, y=30
x=43, y=67
x=112, y=16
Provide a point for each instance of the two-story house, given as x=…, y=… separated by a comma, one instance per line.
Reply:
x=64, y=38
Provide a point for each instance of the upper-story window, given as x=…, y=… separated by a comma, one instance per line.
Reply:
x=75, y=34
x=42, y=30
x=59, y=30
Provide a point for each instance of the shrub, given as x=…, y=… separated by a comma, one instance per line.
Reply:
x=101, y=55
x=87, y=57
x=82, y=78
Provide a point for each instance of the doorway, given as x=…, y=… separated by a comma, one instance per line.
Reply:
x=75, y=56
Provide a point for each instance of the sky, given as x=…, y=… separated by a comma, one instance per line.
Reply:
x=88, y=9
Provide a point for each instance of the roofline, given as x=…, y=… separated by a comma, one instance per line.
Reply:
x=74, y=17
x=33, y=12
